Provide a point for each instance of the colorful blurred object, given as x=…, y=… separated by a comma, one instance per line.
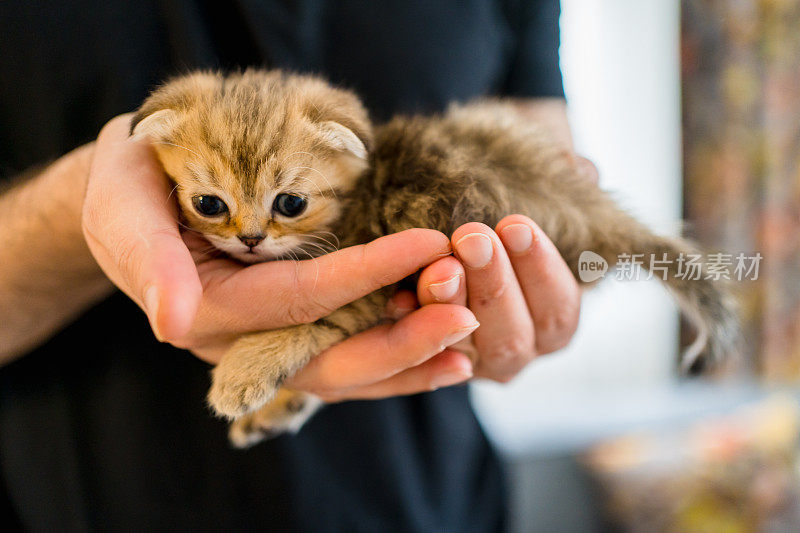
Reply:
x=736, y=473
x=741, y=121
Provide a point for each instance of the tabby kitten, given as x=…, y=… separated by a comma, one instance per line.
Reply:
x=270, y=165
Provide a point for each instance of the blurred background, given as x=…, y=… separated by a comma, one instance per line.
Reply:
x=689, y=109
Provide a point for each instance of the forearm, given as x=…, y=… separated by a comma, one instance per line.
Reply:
x=47, y=275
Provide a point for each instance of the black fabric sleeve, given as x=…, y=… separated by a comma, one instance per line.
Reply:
x=534, y=69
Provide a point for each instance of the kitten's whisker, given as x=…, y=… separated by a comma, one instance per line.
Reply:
x=296, y=265
x=308, y=180
x=332, y=234
x=326, y=241
x=316, y=267
x=324, y=248
x=211, y=251
x=321, y=175
x=333, y=245
x=178, y=146
x=187, y=228
x=171, y=192
x=316, y=245
x=312, y=183
x=311, y=100
x=294, y=154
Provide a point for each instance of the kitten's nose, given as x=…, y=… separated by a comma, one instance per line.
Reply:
x=251, y=240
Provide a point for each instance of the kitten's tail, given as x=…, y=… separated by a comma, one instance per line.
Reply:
x=703, y=294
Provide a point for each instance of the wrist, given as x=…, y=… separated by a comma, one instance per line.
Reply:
x=47, y=274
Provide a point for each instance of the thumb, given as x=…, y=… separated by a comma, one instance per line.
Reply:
x=130, y=224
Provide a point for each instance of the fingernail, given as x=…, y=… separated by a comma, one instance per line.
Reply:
x=454, y=377
x=475, y=250
x=518, y=238
x=445, y=290
x=151, y=306
x=459, y=334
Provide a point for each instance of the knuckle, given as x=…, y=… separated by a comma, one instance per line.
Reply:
x=555, y=330
x=488, y=292
x=558, y=322
x=512, y=352
x=504, y=378
x=307, y=309
x=123, y=255
x=300, y=314
x=551, y=345
x=304, y=307
x=495, y=374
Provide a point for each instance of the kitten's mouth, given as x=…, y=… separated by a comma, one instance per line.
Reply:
x=258, y=256
x=267, y=251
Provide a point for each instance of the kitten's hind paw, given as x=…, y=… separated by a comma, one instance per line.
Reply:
x=243, y=434
x=286, y=413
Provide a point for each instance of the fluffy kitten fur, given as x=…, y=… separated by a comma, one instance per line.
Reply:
x=248, y=137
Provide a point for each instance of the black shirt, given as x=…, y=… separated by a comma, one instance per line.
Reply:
x=103, y=428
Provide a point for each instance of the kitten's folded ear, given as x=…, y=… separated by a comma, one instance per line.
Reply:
x=157, y=125
x=343, y=139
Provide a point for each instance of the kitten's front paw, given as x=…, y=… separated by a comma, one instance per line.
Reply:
x=255, y=367
x=233, y=398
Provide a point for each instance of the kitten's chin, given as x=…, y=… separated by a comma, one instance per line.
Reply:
x=255, y=257
x=251, y=258
x=258, y=256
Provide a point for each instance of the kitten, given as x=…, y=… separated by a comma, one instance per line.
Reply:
x=270, y=165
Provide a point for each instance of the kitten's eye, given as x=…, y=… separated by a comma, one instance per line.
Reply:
x=209, y=205
x=289, y=205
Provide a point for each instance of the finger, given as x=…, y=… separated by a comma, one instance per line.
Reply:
x=304, y=291
x=436, y=283
x=505, y=340
x=442, y=282
x=550, y=289
x=401, y=304
x=130, y=225
x=442, y=370
x=384, y=351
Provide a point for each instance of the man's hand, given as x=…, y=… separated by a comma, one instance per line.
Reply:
x=517, y=285
x=202, y=303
